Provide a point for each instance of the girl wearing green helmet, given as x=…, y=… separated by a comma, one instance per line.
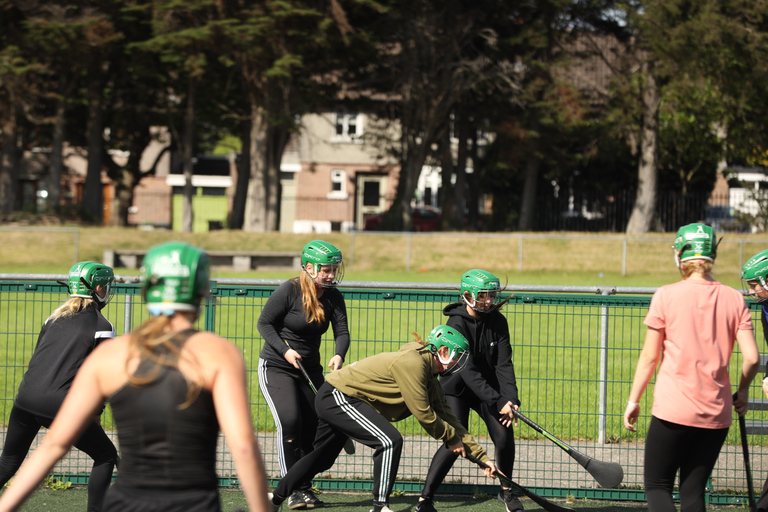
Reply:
x=68, y=336
x=293, y=321
x=692, y=325
x=361, y=401
x=172, y=389
x=488, y=385
x=754, y=274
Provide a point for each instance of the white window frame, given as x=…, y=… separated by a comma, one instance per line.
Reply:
x=338, y=176
x=346, y=136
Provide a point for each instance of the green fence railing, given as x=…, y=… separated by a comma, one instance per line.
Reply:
x=574, y=350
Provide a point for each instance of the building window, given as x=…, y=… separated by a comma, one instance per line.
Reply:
x=338, y=185
x=348, y=127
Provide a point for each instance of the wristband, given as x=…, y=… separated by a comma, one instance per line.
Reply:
x=633, y=404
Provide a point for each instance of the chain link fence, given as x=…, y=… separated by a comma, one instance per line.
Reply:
x=574, y=349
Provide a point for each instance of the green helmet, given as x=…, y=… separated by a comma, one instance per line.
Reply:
x=478, y=281
x=85, y=276
x=756, y=269
x=174, y=278
x=458, y=346
x=695, y=241
x=321, y=253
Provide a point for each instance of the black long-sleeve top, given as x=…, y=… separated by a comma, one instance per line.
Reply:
x=283, y=319
x=62, y=346
x=489, y=374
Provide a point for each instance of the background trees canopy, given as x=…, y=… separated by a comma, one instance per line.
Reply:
x=558, y=106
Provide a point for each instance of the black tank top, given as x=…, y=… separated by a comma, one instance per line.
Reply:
x=163, y=444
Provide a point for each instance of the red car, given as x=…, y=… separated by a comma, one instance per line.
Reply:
x=425, y=218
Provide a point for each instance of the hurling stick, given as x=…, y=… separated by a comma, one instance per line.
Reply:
x=547, y=505
x=607, y=474
x=349, y=446
x=747, y=466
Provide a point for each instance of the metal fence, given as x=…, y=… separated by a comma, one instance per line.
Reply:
x=574, y=349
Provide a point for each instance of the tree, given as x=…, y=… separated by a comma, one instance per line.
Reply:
x=15, y=94
x=424, y=57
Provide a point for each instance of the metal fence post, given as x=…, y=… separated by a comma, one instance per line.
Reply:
x=624, y=257
x=210, y=311
x=602, y=414
x=408, y=252
x=127, y=313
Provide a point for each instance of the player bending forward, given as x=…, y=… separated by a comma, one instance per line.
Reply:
x=363, y=399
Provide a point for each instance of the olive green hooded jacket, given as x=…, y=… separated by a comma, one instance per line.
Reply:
x=400, y=384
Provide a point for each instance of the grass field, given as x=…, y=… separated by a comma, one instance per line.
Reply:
x=582, y=260
x=546, y=337
x=74, y=500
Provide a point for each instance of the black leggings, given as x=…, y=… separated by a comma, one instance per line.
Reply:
x=291, y=401
x=342, y=417
x=692, y=450
x=503, y=439
x=22, y=429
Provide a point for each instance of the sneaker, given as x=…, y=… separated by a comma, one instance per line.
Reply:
x=311, y=499
x=296, y=501
x=275, y=507
x=384, y=508
x=508, y=498
x=425, y=506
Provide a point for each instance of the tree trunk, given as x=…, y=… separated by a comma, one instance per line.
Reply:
x=532, y=167
x=8, y=161
x=473, y=185
x=447, y=170
x=641, y=219
x=57, y=160
x=187, y=213
x=237, y=215
x=255, y=205
x=93, y=193
x=278, y=138
x=123, y=199
x=458, y=214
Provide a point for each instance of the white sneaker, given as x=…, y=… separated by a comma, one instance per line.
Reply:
x=385, y=508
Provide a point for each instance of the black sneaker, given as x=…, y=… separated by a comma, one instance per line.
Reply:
x=296, y=501
x=508, y=498
x=426, y=506
x=311, y=499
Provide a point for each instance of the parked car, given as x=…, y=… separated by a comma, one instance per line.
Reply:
x=425, y=218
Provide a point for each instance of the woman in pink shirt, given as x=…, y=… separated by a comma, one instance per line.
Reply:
x=692, y=325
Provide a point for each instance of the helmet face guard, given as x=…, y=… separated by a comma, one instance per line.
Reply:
x=695, y=241
x=455, y=342
x=754, y=272
x=327, y=265
x=480, y=290
x=175, y=278
x=86, y=276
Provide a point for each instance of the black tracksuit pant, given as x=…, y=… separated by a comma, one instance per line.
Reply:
x=22, y=429
x=342, y=417
x=503, y=439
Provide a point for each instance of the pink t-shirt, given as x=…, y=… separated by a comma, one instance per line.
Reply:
x=700, y=321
